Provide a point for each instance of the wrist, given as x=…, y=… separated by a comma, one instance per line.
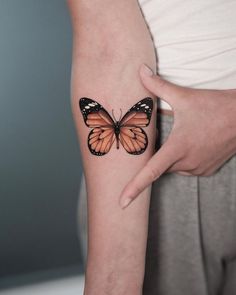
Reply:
x=96, y=291
x=113, y=277
x=112, y=286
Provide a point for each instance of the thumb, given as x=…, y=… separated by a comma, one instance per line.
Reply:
x=163, y=89
x=154, y=168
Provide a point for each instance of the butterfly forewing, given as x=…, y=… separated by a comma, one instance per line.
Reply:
x=140, y=114
x=94, y=114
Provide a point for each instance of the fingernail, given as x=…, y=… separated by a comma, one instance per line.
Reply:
x=125, y=202
x=146, y=70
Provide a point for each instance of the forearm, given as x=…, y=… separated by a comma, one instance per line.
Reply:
x=117, y=238
x=109, y=74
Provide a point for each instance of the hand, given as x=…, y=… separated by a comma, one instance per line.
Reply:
x=202, y=139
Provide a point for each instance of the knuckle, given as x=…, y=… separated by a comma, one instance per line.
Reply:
x=182, y=153
x=192, y=165
x=210, y=173
x=153, y=173
x=162, y=83
x=137, y=190
x=181, y=149
x=199, y=171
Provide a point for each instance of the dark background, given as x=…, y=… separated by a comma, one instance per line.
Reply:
x=40, y=165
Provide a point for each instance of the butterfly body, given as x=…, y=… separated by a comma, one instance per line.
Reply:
x=117, y=132
x=128, y=131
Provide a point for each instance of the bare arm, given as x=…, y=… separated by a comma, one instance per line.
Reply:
x=110, y=42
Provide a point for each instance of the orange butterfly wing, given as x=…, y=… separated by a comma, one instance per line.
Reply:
x=100, y=140
x=102, y=136
x=132, y=137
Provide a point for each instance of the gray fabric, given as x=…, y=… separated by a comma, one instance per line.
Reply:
x=192, y=232
x=82, y=220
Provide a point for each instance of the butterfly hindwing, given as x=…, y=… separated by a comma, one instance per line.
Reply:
x=133, y=139
x=100, y=140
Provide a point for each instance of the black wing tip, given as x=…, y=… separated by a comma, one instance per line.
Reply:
x=83, y=100
x=86, y=99
x=149, y=99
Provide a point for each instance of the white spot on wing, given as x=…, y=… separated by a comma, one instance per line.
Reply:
x=92, y=104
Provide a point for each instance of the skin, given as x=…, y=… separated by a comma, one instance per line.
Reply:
x=203, y=137
x=110, y=42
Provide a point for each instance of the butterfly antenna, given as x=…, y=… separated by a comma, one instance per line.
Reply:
x=120, y=114
x=112, y=111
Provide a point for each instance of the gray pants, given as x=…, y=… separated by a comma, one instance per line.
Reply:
x=192, y=232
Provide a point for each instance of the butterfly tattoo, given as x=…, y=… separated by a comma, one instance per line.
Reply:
x=127, y=131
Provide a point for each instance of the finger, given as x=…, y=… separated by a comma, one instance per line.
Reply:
x=160, y=87
x=154, y=168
